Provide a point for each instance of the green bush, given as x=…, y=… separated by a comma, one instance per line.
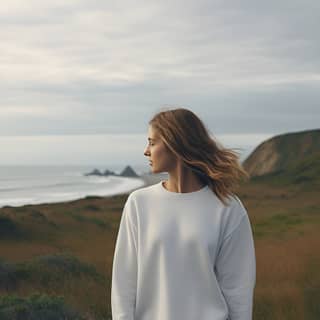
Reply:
x=45, y=270
x=8, y=276
x=36, y=307
x=8, y=228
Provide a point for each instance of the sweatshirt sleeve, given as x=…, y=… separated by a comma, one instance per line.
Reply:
x=236, y=270
x=124, y=269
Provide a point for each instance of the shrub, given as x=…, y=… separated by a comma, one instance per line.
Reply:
x=8, y=278
x=7, y=227
x=36, y=307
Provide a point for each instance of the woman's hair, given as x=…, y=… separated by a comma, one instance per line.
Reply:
x=189, y=140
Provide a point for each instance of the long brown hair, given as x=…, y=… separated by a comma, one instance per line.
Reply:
x=189, y=139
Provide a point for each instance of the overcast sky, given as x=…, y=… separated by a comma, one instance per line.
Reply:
x=247, y=68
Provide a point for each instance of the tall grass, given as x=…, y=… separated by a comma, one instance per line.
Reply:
x=67, y=250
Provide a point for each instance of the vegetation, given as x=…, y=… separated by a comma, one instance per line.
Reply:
x=56, y=259
x=304, y=173
x=36, y=307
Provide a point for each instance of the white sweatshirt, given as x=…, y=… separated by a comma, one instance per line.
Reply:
x=183, y=256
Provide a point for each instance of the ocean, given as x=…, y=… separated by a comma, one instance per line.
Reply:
x=20, y=185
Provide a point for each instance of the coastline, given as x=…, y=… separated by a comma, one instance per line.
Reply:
x=147, y=178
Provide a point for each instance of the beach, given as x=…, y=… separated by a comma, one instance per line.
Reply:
x=48, y=184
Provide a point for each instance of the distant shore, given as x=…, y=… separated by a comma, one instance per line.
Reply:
x=147, y=179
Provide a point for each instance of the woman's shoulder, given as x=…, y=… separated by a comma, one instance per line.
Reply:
x=233, y=214
x=238, y=205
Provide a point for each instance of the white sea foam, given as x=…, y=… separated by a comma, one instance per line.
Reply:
x=33, y=186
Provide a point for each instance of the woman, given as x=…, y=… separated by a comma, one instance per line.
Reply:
x=185, y=248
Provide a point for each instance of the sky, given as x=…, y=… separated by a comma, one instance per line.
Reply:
x=81, y=79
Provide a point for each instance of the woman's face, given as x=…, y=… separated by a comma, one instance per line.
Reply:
x=161, y=159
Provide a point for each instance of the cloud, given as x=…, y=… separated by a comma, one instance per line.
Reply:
x=22, y=111
x=99, y=63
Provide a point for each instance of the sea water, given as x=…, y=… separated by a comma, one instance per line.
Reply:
x=20, y=185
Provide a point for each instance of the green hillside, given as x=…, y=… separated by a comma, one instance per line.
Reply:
x=291, y=159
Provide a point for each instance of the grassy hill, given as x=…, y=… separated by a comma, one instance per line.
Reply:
x=290, y=158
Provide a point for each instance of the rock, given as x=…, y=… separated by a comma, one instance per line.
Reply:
x=128, y=172
x=109, y=173
x=95, y=172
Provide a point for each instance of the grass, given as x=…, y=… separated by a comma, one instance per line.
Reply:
x=67, y=249
x=46, y=271
x=59, y=274
x=303, y=173
x=36, y=307
x=285, y=222
x=278, y=224
x=288, y=280
x=93, y=220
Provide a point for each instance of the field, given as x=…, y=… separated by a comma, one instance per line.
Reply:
x=66, y=250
